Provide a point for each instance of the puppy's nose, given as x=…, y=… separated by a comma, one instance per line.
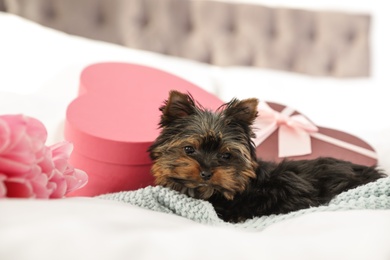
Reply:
x=206, y=175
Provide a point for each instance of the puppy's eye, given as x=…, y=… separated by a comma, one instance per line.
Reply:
x=189, y=149
x=226, y=156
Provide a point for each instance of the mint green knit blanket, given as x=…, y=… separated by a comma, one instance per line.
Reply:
x=375, y=195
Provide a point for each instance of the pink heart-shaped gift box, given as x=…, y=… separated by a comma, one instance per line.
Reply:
x=324, y=142
x=115, y=119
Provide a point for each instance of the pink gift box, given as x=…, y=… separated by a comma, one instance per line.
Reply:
x=282, y=132
x=115, y=119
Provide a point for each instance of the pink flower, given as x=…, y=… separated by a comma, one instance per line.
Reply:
x=29, y=168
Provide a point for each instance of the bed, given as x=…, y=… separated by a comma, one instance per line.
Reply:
x=337, y=76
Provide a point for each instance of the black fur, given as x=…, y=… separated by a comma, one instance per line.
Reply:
x=293, y=185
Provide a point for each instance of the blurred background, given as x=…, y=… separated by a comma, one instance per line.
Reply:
x=231, y=32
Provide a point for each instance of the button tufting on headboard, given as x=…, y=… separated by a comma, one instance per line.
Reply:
x=2, y=6
x=321, y=43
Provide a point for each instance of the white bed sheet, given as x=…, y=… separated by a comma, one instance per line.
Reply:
x=40, y=69
x=86, y=228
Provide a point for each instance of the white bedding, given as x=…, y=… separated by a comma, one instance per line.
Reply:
x=84, y=228
x=40, y=69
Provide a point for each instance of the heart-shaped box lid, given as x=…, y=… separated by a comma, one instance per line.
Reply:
x=283, y=132
x=115, y=117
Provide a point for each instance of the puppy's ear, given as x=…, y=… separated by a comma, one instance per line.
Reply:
x=178, y=105
x=244, y=111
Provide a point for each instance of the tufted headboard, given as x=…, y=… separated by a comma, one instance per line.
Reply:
x=321, y=43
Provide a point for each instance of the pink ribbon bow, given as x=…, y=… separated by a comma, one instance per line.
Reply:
x=294, y=130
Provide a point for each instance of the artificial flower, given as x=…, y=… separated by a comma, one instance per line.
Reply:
x=29, y=168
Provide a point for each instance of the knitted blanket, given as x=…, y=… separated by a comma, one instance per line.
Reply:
x=375, y=195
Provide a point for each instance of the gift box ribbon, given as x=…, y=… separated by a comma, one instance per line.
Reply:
x=295, y=132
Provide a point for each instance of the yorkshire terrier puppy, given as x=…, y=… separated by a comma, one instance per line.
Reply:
x=211, y=156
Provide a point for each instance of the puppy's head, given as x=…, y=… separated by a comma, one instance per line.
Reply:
x=200, y=152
